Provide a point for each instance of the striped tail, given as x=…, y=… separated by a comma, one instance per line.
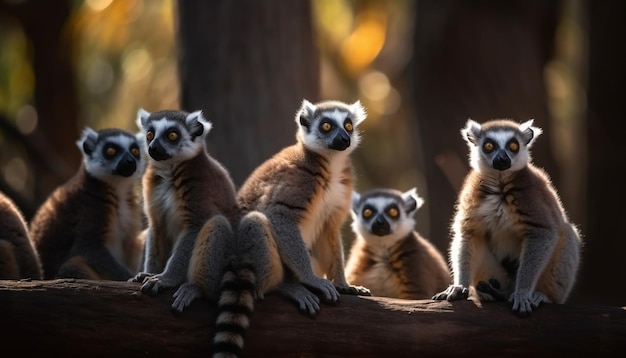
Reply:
x=234, y=308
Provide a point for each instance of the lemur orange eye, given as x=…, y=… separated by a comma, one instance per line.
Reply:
x=348, y=126
x=488, y=146
x=513, y=146
x=172, y=136
x=150, y=135
x=110, y=151
x=134, y=151
x=367, y=213
x=326, y=126
x=393, y=212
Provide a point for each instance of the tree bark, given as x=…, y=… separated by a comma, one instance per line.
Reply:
x=107, y=318
x=248, y=65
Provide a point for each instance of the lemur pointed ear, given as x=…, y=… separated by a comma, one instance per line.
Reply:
x=359, y=112
x=304, y=116
x=471, y=132
x=412, y=201
x=530, y=133
x=87, y=141
x=142, y=117
x=197, y=124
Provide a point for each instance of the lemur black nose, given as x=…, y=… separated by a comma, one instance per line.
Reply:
x=126, y=166
x=380, y=226
x=501, y=161
x=157, y=152
x=341, y=141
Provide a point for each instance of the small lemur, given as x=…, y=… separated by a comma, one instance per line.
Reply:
x=89, y=226
x=305, y=192
x=183, y=187
x=511, y=236
x=18, y=258
x=388, y=256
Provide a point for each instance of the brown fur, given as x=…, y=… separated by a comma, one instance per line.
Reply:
x=203, y=188
x=18, y=258
x=534, y=205
x=411, y=269
x=74, y=220
x=293, y=182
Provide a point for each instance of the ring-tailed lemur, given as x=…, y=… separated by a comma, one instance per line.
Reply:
x=183, y=187
x=89, y=226
x=511, y=236
x=293, y=206
x=388, y=256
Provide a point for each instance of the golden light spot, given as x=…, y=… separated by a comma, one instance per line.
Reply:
x=366, y=41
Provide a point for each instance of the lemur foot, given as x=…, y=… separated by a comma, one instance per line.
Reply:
x=140, y=277
x=354, y=290
x=185, y=294
x=306, y=300
x=452, y=293
x=155, y=284
x=525, y=302
x=490, y=291
x=325, y=288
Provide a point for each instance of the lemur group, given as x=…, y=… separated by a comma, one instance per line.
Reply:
x=157, y=209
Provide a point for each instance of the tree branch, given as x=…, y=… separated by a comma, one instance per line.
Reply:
x=107, y=318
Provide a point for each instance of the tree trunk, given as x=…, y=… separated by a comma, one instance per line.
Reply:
x=481, y=60
x=248, y=65
x=604, y=242
x=106, y=318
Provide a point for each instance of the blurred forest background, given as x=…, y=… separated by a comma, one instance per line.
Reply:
x=421, y=68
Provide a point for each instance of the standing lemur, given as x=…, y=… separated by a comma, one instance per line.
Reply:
x=183, y=187
x=511, y=236
x=18, y=258
x=88, y=227
x=388, y=256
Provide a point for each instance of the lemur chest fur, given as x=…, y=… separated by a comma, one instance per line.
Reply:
x=382, y=276
x=124, y=225
x=329, y=199
x=498, y=214
x=163, y=204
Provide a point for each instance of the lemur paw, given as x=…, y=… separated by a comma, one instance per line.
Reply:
x=490, y=291
x=185, y=294
x=155, y=284
x=326, y=288
x=306, y=300
x=452, y=293
x=525, y=302
x=354, y=290
x=140, y=277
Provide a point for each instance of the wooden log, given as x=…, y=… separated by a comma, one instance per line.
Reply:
x=114, y=319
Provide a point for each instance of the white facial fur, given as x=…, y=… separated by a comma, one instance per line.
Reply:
x=186, y=148
x=475, y=137
x=337, y=115
x=400, y=228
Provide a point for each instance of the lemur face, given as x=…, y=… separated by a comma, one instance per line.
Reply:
x=499, y=144
x=330, y=125
x=109, y=153
x=173, y=135
x=384, y=214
